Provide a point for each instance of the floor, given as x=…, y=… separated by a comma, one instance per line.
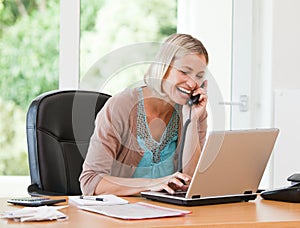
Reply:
x=14, y=186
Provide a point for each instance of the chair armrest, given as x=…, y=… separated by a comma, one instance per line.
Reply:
x=34, y=190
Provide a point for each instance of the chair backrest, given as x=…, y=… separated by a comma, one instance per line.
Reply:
x=59, y=126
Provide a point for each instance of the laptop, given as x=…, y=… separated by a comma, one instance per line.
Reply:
x=229, y=169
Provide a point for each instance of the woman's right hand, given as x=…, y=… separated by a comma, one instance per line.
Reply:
x=172, y=183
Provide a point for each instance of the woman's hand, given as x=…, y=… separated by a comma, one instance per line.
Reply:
x=198, y=108
x=176, y=181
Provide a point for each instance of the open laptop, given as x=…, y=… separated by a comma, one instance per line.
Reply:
x=229, y=169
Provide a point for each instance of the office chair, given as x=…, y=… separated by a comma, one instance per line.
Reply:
x=58, y=126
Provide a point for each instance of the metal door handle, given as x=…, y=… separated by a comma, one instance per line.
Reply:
x=243, y=103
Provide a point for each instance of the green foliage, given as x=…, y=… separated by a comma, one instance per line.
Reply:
x=13, y=153
x=29, y=63
x=30, y=57
x=88, y=10
x=12, y=10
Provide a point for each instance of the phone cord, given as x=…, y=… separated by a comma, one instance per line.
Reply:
x=182, y=140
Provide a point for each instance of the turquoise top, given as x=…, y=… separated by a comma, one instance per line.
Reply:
x=158, y=159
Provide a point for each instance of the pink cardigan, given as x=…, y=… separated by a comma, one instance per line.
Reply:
x=113, y=148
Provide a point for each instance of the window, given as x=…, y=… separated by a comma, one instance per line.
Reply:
x=29, y=66
x=30, y=48
x=108, y=26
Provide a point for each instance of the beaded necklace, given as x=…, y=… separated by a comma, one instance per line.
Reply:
x=144, y=133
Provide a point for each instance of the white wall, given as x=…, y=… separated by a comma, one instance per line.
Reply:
x=286, y=87
x=286, y=118
x=286, y=44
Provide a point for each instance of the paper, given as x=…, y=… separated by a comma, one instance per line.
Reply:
x=41, y=213
x=138, y=210
x=108, y=200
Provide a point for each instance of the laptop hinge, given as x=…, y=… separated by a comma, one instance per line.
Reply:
x=247, y=192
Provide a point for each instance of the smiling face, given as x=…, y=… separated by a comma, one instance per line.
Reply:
x=183, y=76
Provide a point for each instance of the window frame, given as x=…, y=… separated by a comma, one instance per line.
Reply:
x=69, y=55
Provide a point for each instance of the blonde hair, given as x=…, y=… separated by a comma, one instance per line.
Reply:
x=175, y=46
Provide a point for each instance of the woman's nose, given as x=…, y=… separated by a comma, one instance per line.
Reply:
x=192, y=84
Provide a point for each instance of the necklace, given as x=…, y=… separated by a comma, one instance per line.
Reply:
x=143, y=131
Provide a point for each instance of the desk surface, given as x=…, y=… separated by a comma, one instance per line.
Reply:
x=258, y=213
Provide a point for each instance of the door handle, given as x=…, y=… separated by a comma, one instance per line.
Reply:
x=243, y=103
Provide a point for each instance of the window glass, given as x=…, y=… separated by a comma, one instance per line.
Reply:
x=109, y=25
x=29, y=65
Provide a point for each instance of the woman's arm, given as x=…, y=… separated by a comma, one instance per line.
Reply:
x=192, y=149
x=132, y=186
x=196, y=131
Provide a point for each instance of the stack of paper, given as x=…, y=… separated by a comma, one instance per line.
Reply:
x=41, y=213
x=138, y=210
x=106, y=200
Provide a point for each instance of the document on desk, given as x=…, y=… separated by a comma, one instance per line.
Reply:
x=135, y=211
x=103, y=200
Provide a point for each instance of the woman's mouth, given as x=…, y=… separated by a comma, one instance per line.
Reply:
x=185, y=91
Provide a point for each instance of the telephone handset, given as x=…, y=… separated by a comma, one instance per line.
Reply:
x=195, y=99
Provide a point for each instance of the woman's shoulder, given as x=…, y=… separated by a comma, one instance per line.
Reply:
x=125, y=98
x=127, y=94
x=122, y=104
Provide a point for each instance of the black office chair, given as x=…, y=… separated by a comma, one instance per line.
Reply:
x=59, y=125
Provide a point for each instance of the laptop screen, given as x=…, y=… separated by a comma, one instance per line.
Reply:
x=232, y=162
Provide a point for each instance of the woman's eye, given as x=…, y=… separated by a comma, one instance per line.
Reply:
x=184, y=72
x=200, y=76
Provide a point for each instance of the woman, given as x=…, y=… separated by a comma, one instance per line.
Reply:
x=135, y=143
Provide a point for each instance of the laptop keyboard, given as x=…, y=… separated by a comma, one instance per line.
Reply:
x=181, y=194
x=178, y=194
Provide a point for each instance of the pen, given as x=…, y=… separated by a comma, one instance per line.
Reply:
x=92, y=198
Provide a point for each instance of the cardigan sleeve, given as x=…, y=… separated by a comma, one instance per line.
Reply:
x=104, y=144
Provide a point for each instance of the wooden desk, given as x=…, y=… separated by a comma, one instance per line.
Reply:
x=258, y=213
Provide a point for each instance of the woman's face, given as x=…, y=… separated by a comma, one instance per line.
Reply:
x=184, y=75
